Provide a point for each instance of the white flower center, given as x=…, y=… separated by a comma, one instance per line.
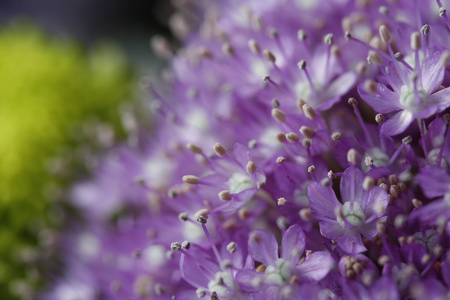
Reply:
x=219, y=283
x=353, y=213
x=407, y=96
x=239, y=182
x=279, y=273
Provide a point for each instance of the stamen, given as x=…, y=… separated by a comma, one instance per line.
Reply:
x=191, y=179
x=175, y=246
x=379, y=118
x=352, y=156
x=278, y=115
x=225, y=195
x=302, y=66
x=251, y=167
x=306, y=214
x=280, y=160
x=231, y=247
x=416, y=42
x=254, y=46
x=405, y=141
x=301, y=35
x=336, y=136
x=275, y=103
x=186, y=245
x=384, y=34
x=269, y=56
x=292, y=137
x=194, y=149
x=331, y=175
x=213, y=246
x=281, y=201
x=183, y=217
x=374, y=58
x=307, y=132
x=309, y=111
x=220, y=149
x=383, y=10
x=228, y=50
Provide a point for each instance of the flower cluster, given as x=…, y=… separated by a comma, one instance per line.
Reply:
x=301, y=151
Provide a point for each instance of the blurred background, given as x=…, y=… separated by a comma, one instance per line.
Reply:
x=68, y=75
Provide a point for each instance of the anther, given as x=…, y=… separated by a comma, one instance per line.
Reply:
x=202, y=216
x=214, y=295
x=370, y=85
x=251, y=167
x=183, y=217
x=275, y=103
x=328, y=39
x=425, y=30
x=252, y=144
x=347, y=36
x=398, y=56
x=394, y=191
x=368, y=183
x=175, y=246
x=194, y=149
x=305, y=214
x=200, y=293
x=379, y=118
x=231, y=247
x=416, y=41
x=309, y=112
x=280, y=160
x=227, y=49
x=438, y=250
x=400, y=221
x=281, y=137
x=292, y=137
x=269, y=56
x=381, y=227
x=331, y=175
x=225, y=195
x=352, y=156
x=425, y=259
x=384, y=186
x=186, y=245
x=281, y=201
x=302, y=64
x=282, y=223
x=243, y=213
x=301, y=35
x=261, y=268
x=254, y=46
x=407, y=140
x=352, y=101
x=402, y=187
x=368, y=161
x=361, y=68
x=278, y=115
x=442, y=12
x=336, y=136
x=402, y=240
x=307, y=132
x=416, y=203
x=374, y=58
x=273, y=33
x=220, y=149
x=393, y=179
x=311, y=169
x=383, y=10
x=384, y=259
x=191, y=179
x=306, y=143
x=445, y=59
x=384, y=34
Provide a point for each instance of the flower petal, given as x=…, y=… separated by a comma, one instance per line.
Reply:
x=322, y=200
x=263, y=247
x=293, y=244
x=398, y=123
x=349, y=240
x=432, y=73
x=441, y=100
x=383, y=100
x=316, y=266
x=250, y=280
x=352, y=185
x=376, y=201
x=434, y=182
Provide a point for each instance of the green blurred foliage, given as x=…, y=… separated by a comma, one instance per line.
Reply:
x=46, y=87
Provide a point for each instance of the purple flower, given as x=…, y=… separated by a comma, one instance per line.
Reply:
x=357, y=215
x=280, y=275
x=412, y=94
